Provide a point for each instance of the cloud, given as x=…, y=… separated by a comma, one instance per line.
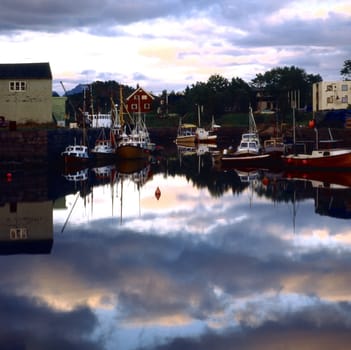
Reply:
x=235, y=270
x=30, y=321
x=185, y=41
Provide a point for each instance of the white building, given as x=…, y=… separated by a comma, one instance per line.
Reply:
x=331, y=95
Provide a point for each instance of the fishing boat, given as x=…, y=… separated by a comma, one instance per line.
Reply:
x=329, y=157
x=105, y=145
x=250, y=144
x=250, y=152
x=136, y=144
x=76, y=156
x=104, y=148
x=186, y=133
x=274, y=146
x=204, y=135
x=326, y=159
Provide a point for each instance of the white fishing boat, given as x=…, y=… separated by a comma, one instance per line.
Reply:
x=76, y=156
x=206, y=135
x=249, y=147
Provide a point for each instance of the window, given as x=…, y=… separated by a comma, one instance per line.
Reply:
x=18, y=233
x=329, y=87
x=17, y=85
x=344, y=99
x=134, y=107
x=144, y=97
x=330, y=99
x=344, y=87
x=146, y=105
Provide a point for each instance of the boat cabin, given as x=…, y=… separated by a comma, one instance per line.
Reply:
x=250, y=143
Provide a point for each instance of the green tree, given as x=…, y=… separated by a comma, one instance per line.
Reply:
x=279, y=81
x=346, y=70
x=217, y=83
x=240, y=95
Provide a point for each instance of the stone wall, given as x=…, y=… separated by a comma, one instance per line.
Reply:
x=23, y=146
x=40, y=146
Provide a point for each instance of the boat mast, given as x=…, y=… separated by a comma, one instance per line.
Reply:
x=198, y=115
x=252, y=123
x=120, y=114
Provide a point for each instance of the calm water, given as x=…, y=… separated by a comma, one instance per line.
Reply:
x=218, y=261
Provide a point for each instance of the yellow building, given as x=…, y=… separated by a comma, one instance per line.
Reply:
x=331, y=95
x=26, y=92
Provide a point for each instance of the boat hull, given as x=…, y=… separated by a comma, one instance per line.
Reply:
x=327, y=159
x=132, y=152
x=186, y=139
x=250, y=161
x=208, y=139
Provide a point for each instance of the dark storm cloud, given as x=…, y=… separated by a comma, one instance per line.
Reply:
x=329, y=32
x=44, y=15
x=318, y=328
x=29, y=321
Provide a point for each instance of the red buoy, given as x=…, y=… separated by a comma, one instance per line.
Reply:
x=158, y=193
x=265, y=181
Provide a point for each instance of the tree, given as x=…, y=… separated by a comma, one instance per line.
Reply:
x=217, y=83
x=279, y=81
x=346, y=70
x=240, y=93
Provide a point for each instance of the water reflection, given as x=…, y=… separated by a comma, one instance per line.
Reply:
x=234, y=260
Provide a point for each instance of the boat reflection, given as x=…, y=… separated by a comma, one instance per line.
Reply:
x=331, y=191
x=192, y=148
x=28, y=198
x=115, y=176
x=77, y=176
x=169, y=269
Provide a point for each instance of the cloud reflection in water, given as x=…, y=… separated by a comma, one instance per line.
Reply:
x=189, y=271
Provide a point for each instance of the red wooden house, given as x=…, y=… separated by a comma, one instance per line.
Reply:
x=139, y=101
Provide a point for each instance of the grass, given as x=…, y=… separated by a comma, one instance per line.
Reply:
x=229, y=120
x=225, y=120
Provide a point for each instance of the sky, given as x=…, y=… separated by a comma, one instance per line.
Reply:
x=172, y=44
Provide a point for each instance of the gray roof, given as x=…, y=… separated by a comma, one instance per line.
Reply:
x=25, y=71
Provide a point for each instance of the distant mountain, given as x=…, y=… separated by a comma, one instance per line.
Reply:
x=77, y=90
